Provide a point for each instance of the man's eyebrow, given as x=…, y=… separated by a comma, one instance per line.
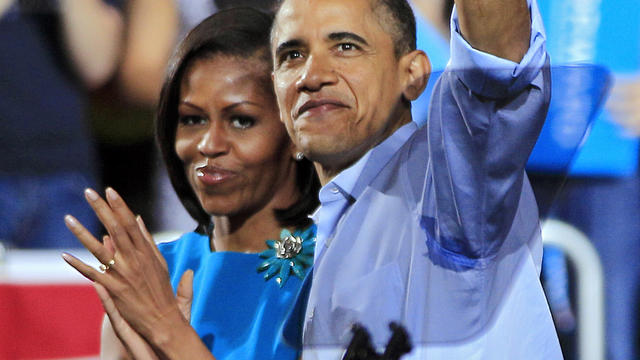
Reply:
x=345, y=35
x=289, y=44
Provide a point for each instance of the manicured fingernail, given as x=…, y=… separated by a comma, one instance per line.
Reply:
x=70, y=220
x=91, y=195
x=111, y=194
x=66, y=257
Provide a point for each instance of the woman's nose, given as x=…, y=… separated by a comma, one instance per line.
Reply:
x=214, y=141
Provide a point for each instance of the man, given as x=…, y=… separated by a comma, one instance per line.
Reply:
x=435, y=227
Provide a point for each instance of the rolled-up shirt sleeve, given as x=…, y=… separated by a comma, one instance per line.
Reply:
x=485, y=117
x=491, y=76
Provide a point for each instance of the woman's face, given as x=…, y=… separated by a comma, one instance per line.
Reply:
x=236, y=152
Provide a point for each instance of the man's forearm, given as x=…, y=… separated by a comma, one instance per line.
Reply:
x=498, y=27
x=92, y=31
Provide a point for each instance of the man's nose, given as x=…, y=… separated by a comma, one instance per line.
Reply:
x=215, y=141
x=317, y=73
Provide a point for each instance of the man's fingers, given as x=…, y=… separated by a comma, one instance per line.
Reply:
x=184, y=294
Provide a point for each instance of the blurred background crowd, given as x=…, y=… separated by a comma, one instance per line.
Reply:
x=79, y=80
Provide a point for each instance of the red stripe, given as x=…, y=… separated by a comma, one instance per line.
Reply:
x=49, y=321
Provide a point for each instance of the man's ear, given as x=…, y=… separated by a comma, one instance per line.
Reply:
x=416, y=67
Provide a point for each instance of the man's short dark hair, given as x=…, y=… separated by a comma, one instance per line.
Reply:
x=397, y=19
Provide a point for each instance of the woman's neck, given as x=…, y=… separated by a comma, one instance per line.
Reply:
x=244, y=235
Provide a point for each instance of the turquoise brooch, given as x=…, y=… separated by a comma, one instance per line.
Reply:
x=292, y=253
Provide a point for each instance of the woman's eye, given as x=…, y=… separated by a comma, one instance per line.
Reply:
x=191, y=120
x=242, y=122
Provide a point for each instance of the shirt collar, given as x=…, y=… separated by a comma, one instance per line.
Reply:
x=352, y=181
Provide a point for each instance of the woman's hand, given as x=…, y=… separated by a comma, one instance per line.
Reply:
x=119, y=341
x=135, y=273
x=135, y=278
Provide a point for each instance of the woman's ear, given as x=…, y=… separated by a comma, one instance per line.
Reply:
x=294, y=152
x=417, y=68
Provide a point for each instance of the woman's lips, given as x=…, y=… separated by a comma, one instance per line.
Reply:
x=210, y=176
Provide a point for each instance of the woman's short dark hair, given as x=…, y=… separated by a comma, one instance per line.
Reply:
x=242, y=32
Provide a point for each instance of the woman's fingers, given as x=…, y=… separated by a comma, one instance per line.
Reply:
x=88, y=241
x=111, y=222
x=127, y=218
x=143, y=229
x=109, y=245
x=184, y=294
x=84, y=269
x=150, y=242
x=134, y=344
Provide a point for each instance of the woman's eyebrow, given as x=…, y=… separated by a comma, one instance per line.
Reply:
x=189, y=104
x=239, y=103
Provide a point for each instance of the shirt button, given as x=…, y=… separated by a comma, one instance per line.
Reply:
x=335, y=190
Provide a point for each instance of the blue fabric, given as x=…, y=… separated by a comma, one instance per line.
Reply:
x=437, y=228
x=579, y=91
x=43, y=129
x=236, y=313
x=605, y=33
x=601, y=196
x=293, y=326
x=32, y=209
x=606, y=210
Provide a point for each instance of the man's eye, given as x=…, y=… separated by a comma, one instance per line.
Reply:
x=242, y=122
x=347, y=47
x=190, y=120
x=290, y=55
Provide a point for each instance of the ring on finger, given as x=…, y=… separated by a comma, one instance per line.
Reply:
x=107, y=266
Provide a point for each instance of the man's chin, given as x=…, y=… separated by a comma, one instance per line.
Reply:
x=331, y=158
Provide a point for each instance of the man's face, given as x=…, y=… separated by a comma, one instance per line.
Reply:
x=336, y=78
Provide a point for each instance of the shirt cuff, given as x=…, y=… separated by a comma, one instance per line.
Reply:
x=491, y=76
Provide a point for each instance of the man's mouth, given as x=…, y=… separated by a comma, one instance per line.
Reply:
x=319, y=106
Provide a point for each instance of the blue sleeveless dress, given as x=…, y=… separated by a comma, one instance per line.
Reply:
x=236, y=313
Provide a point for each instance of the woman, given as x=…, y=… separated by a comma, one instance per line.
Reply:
x=239, y=176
